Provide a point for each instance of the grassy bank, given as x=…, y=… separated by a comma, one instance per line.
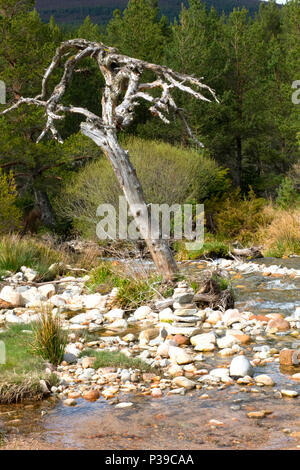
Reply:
x=16, y=252
x=116, y=359
x=21, y=374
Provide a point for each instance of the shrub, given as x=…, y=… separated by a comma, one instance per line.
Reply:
x=240, y=217
x=168, y=174
x=9, y=214
x=49, y=339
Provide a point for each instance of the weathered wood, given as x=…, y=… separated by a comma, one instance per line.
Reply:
x=252, y=252
x=122, y=94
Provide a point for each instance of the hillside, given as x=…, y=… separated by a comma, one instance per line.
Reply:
x=100, y=11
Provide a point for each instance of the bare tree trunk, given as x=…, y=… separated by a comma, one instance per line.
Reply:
x=128, y=180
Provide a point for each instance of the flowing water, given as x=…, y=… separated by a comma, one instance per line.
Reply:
x=181, y=422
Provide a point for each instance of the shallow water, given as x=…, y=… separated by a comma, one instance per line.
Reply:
x=181, y=422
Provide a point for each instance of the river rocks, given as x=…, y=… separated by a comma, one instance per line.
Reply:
x=91, y=395
x=181, y=339
x=259, y=414
x=163, y=348
x=183, y=382
x=214, y=317
x=240, y=366
x=156, y=393
x=278, y=324
x=114, y=314
x=264, y=379
x=175, y=370
x=147, y=335
x=226, y=341
x=142, y=313
x=124, y=404
x=166, y=315
x=88, y=362
x=14, y=298
x=94, y=301
x=70, y=402
x=179, y=356
x=289, y=393
x=120, y=324
x=204, y=342
x=47, y=291
x=289, y=357
x=29, y=274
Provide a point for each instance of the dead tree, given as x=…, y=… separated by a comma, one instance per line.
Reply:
x=122, y=93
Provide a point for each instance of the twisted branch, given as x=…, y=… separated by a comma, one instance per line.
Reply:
x=123, y=90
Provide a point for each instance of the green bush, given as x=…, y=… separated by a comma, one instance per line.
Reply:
x=239, y=218
x=168, y=174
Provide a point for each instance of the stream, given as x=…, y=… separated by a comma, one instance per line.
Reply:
x=181, y=422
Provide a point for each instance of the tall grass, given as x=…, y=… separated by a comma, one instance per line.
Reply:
x=16, y=252
x=282, y=236
x=50, y=339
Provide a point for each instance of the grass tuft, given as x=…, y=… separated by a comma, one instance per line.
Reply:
x=50, y=339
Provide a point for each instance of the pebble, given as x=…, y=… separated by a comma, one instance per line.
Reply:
x=289, y=393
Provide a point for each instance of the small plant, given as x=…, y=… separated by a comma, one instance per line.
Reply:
x=50, y=339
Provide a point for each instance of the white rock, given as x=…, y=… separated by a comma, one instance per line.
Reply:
x=184, y=382
x=58, y=301
x=11, y=318
x=119, y=324
x=10, y=295
x=97, y=300
x=226, y=341
x=124, y=405
x=114, y=314
x=240, y=366
x=142, y=312
x=203, y=338
x=179, y=356
x=47, y=291
x=166, y=314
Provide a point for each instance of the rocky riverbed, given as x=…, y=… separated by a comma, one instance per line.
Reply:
x=228, y=371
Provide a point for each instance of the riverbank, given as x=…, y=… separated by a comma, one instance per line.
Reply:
x=205, y=369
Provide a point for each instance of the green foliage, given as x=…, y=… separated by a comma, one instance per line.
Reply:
x=138, y=32
x=9, y=213
x=50, y=339
x=168, y=175
x=133, y=290
x=240, y=217
x=16, y=252
x=287, y=195
x=212, y=248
